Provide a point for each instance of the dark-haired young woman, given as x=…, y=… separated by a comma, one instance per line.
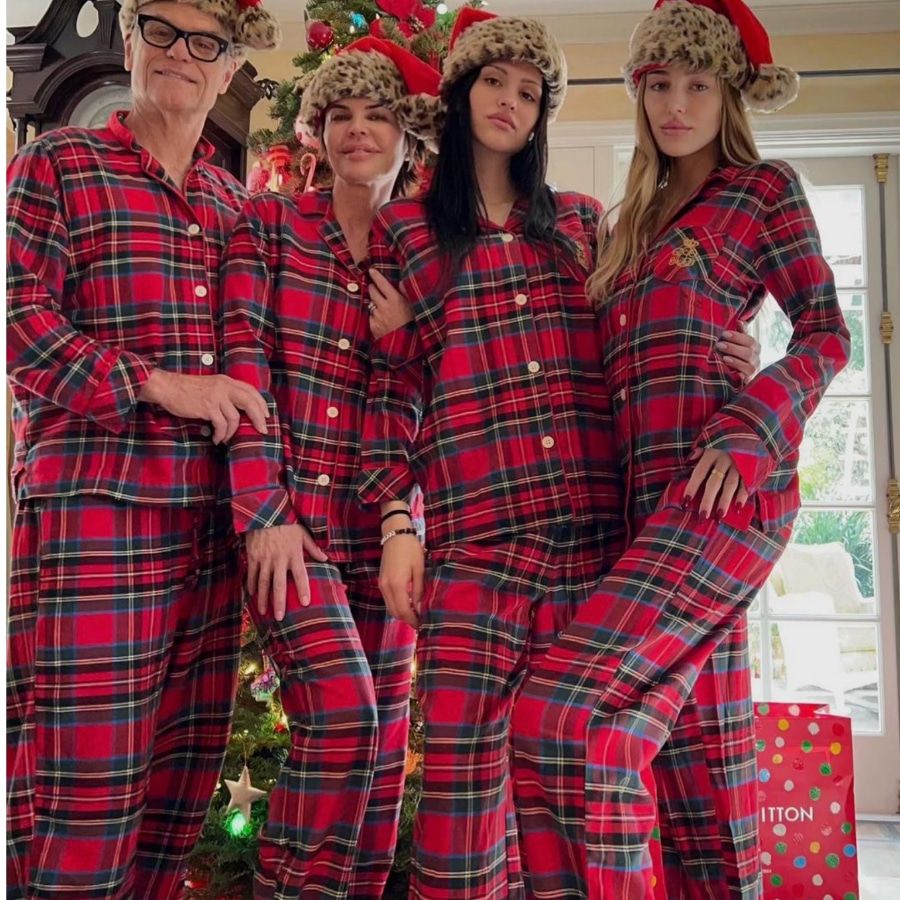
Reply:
x=504, y=421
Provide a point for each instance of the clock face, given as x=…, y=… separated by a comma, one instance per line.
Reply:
x=94, y=110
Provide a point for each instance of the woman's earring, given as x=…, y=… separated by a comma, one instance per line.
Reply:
x=531, y=137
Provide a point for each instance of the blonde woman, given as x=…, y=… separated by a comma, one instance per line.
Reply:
x=650, y=682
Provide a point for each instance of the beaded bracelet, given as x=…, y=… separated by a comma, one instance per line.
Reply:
x=386, y=537
x=397, y=512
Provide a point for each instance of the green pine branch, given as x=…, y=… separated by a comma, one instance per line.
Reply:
x=429, y=45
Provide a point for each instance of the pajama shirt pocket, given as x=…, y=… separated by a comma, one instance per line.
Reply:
x=711, y=292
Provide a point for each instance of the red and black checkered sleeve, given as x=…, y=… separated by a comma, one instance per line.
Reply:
x=249, y=324
x=764, y=423
x=46, y=354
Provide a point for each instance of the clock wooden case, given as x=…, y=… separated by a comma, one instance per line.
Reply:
x=61, y=77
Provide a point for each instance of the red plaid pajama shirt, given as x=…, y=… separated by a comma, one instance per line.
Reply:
x=653, y=671
x=115, y=736
x=296, y=327
x=504, y=421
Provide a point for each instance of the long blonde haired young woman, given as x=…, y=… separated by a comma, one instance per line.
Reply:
x=650, y=682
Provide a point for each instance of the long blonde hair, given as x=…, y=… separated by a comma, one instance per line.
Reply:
x=640, y=209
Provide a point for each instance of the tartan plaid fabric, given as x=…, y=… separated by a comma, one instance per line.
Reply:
x=124, y=611
x=709, y=834
x=747, y=231
x=344, y=667
x=618, y=681
x=111, y=270
x=504, y=419
x=296, y=327
x=593, y=717
x=124, y=628
x=490, y=613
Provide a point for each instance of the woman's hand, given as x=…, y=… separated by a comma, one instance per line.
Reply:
x=402, y=577
x=740, y=352
x=717, y=482
x=388, y=308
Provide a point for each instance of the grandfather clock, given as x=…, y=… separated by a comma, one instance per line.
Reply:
x=64, y=77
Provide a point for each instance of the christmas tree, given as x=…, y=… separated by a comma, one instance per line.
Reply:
x=221, y=866
x=422, y=26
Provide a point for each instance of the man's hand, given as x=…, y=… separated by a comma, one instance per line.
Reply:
x=388, y=308
x=216, y=399
x=402, y=577
x=272, y=553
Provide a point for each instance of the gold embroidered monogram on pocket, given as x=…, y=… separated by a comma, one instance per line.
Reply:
x=581, y=255
x=685, y=255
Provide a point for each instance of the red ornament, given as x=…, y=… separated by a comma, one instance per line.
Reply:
x=413, y=16
x=279, y=158
x=257, y=178
x=319, y=35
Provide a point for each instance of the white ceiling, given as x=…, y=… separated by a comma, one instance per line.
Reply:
x=28, y=12
x=577, y=21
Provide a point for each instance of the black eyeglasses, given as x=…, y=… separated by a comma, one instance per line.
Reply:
x=202, y=46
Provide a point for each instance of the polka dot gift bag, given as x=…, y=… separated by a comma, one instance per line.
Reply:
x=807, y=818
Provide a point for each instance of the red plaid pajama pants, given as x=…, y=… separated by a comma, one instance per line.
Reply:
x=490, y=612
x=653, y=671
x=344, y=667
x=123, y=643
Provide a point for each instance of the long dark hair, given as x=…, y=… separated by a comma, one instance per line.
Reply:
x=407, y=183
x=453, y=199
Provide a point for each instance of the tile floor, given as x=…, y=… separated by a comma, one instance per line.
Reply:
x=879, y=860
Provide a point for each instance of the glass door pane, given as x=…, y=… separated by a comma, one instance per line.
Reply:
x=823, y=627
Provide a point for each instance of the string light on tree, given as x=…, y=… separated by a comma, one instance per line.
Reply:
x=237, y=824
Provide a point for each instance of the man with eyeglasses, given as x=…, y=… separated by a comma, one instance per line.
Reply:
x=125, y=600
